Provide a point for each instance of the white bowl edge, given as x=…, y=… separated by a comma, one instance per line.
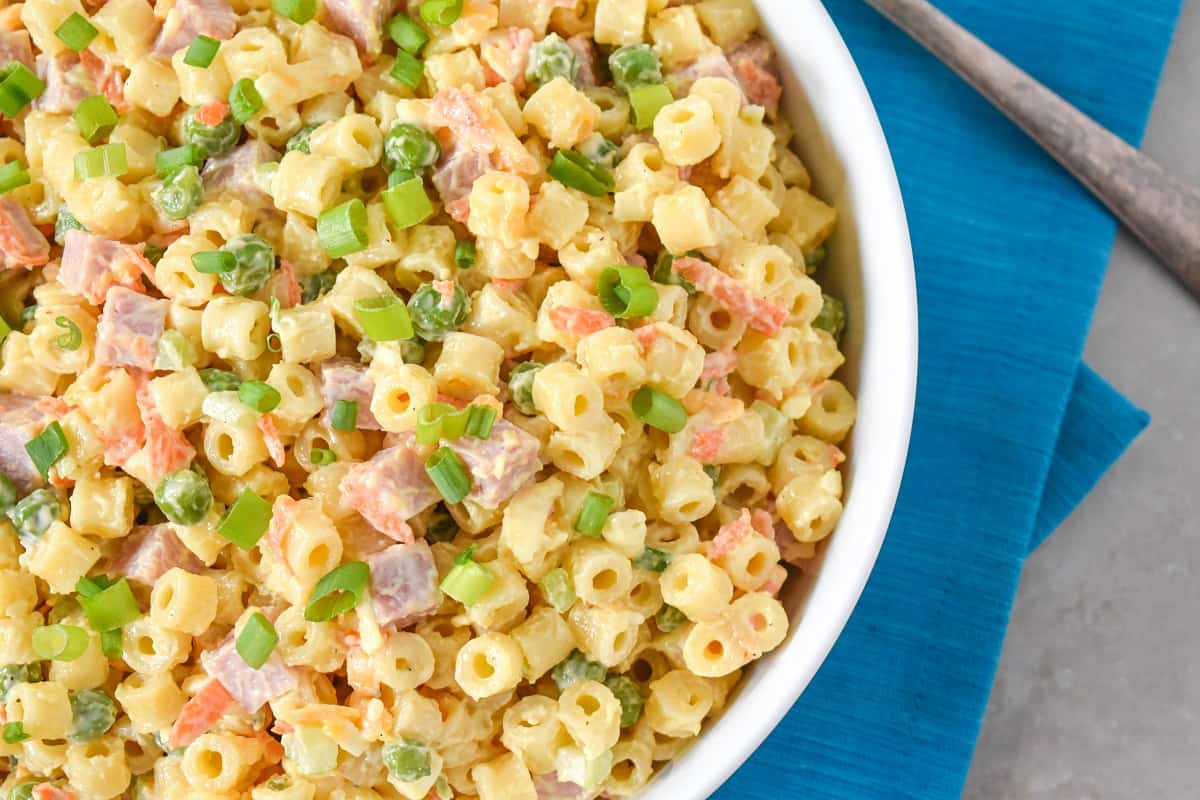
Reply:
x=842, y=141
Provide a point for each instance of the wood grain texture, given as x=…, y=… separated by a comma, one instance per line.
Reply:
x=1159, y=209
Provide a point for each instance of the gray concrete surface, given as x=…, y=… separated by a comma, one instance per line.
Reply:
x=1098, y=692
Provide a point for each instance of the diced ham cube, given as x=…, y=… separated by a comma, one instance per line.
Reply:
x=92, y=264
x=361, y=20
x=214, y=18
x=460, y=111
x=251, y=688
x=391, y=489
x=549, y=787
x=404, y=584
x=457, y=173
x=234, y=172
x=67, y=82
x=15, y=46
x=21, y=244
x=148, y=552
x=757, y=71
x=501, y=464
x=343, y=379
x=759, y=313
x=129, y=329
x=21, y=418
x=585, y=55
x=713, y=64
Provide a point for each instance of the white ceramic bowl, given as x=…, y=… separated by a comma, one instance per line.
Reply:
x=871, y=266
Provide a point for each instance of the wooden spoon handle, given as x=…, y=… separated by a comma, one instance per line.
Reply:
x=1159, y=209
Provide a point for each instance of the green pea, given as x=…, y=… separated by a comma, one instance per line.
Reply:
x=520, y=386
x=410, y=148
x=407, y=761
x=65, y=221
x=831, y=317
x=576, y=667
x=36, y=512
x=315, y=286
x=634, y=65
x=628, y=695
x=653, y=560
x=434, y=314
x=184, y=497
x=413, y=351
x=93, y=712
x=180, y=193
x=12, y=674
x=255, y=263
x=669, y=618
x=216, y=139
x=300, y=139
x=551, y=58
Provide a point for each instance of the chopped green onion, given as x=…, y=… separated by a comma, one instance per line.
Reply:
x=201, y=51
x=8, y=492
x=342, y=229
x=577, y=667
x=110, y=608
x=669, y=618
x=47, y=447
x=664, y=274
x=831, y=317
x=464, y=254
x=212, y=262
x=628, y=695
x=647, y=101
x=406, y=33
x=76, y=32
x=407, y=203
x=73, y=338
x=111, y=644
x=95, y=117
x=713, y=472
x=219, y=380
x=106, y=161
x=339, y=591
x=429, y=422
x=246, y=520
x=14, y=732
x=244, y=100
x=298, y=11
x=399, y=176
x=659, y=410
x=408, y=69
x=59, y=642
x=467, y=581
x=151, y=251
x=90, y=587
x=454, y=425
x=257, y=640
x=594, y=513
x=12, y=175
x=259, y=395
x=653, y=560
x=168, y=161
x=577, y=171
x=480, y=420
x=320, y=456
x=441, y=12
x=18, y=88
x=559, y=589
x=626, y=292
x=384, y=318
x=448, y=475
x=345, y=415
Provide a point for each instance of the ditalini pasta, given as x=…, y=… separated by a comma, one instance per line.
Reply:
x=397, y=399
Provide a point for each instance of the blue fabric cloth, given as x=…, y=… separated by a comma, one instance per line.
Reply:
x=1010, y=430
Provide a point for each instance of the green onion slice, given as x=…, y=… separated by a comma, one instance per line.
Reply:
x=111, y=608
x=441, y=12
x=18, y=88
x=429, y=422
x=594, y=513
x=345, y=415
x=95, y=117
x=186, y=155
x=467, y=581
x=384, y=318
x=342, y=229
x=47, y=447
x=201, y=51
x=14, y=732
x=574, y=169
x=408, y=69
x=406, y=33
x=246, y=520
x=659, y=410
x=298, y=11
x=448, y=475
x=73, y=338
x=626, y=292
x=110, y=643
x=259, y=395
x=106, y=161
x=407, y=203
x=257, y=640
x=653, y=560
x=244, y=100
x=212, y=262
x=76, y=32
x=464, y=254
x=12, y=175
x=60, y=642
x=320, y=456
x=339, y=591
x=480, y=420
x=647, y=101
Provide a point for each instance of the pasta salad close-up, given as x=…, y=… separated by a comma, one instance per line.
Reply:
x=421, y=399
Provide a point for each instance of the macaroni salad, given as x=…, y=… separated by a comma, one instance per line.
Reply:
x=398, y=399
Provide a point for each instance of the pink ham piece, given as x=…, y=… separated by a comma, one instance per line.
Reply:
x=500, y=465
x=21, y=418
x=757, y=71
x=67, y=83
x=148, y=552
x=214, y=18
x=361, y=20
x=360, y=540
x=391, y=489
x=404, y=584
x=457, y=173
x=460, y=112
x=760, y=314
x=234, y=173
x=21, y=244
x=129, y=329
x=505, y=54
x=15, y=46
x=585, y=56
x=790, y=549
x=549, y=787
x=343, y=379
x=92, y=264
x=710, y=65
x=251, y=688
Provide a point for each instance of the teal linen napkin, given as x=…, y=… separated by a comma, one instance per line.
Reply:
x=1011, y=431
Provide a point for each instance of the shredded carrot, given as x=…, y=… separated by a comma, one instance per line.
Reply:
x=200, y=713
x=760, y=314
x=167, y=449
x=730, y=534
x=706, y=445
x=270, y=432
x=212, y=114
x=48, y=791
x=580, y=321
x=774, y=581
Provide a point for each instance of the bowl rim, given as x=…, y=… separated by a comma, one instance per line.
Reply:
x=887, y=386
